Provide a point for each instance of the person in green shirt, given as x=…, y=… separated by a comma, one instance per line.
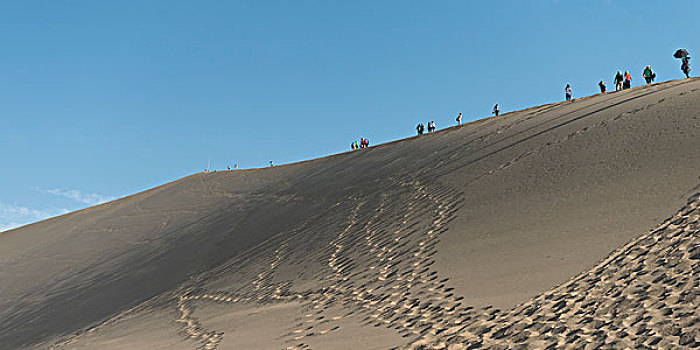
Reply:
x=649, y=75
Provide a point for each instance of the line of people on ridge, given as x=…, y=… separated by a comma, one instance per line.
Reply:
x=624, y=81
x=496, y=111
x=363, y=143
x=420, y=128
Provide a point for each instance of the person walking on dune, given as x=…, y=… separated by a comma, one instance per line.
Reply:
x=685, y=66
x=459, y=118
x=431, y=126
x=602, y=87
x=649, y=75
x=496, y=110
x=569, y=92
x=420, y=128
x=619, y=79
x=627, y=83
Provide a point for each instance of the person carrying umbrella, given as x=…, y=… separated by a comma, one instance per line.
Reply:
x=685, y=61
x=685, y=66
x=649, y=75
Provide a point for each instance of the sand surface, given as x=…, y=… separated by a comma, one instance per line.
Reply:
x=572, y=225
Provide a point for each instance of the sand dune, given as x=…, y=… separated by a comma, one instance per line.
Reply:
x=572, y=225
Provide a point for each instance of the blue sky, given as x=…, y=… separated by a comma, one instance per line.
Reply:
x=101, y=99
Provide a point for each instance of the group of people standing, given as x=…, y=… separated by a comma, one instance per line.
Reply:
x=363, y=143
x=624, y=81
x=420, y=128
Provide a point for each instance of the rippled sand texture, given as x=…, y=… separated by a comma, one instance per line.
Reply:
x=566, y=226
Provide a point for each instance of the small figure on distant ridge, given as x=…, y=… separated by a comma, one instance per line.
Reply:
x=649, y=75
x=420, y=128
x=602, y=87
x=431, y=126
x=272, y=163
x=459, y=118
x=496, y=110
x=569, y=92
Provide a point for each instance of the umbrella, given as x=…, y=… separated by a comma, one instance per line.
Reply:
x=680, y=53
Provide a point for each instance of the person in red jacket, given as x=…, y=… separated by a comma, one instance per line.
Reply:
x=627, y=83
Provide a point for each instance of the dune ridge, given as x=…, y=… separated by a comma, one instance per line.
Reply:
x=554, y=227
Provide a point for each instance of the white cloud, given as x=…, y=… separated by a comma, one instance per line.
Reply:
x=8, y=226
x=12, y=216
x=79, y=196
